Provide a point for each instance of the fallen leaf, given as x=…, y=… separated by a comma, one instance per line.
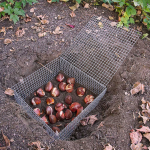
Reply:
x=49, y=1
x=138, y=12
x=7, y=41
x=3, y=30
x=126, y=29
x=144, y=129
x=40, y=17
x=57, y=31
x=32, y=9
x=139, y=28
x=27, y=18
x=87, y=5
x=109, y=147
x=1, y=9
x=72, y=14
x=145, y=119
x=69, y=25
x=113, y=24
x=99, y=18
x=64, y=0
x=84, y=121
x=100, y=125
x=147, y=135
x=137, y=87
x=135, y=137
x=7, y=142
x=108, y=6
x=9, y=91
x=137, y=146
x=41, y=34
x=111, y=18
x=143, y=100
x=100, y=24
x=44, y=21
x=76, y=6
x=92, y=119
x=37, y=143
x=145, y=35
x=20, y=32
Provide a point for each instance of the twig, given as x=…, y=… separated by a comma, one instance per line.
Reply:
x=45, y=67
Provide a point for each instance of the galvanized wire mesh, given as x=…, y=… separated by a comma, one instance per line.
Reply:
x=92, y=59
x=100, y=51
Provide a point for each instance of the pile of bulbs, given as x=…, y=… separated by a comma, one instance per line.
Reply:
x=62, y=112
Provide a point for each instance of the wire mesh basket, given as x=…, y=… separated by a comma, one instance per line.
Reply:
x=92, y=59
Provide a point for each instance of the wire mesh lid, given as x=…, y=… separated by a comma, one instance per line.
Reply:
x=100, y=48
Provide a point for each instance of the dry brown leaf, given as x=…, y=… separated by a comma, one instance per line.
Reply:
x=110, y=7
x=9, y=91
x=57, y=31
x=137, y=146
x=20, y=32
x=126, y=29
x=41, y=34
x=87, y=5
x=44, y=21
x=37, y=143
x=113, y=24
x=72, y=14
x=3, y=30
x=100, y=125
x=137, y=87
x=100, y=24
x=7, y=41
x=74, y=7
x=139, y=28
x=144, y=129
x=145, y=119
x=40, y=17
x=147, y=135
x=1, y=9
x=7, y=142
x=92, y=119
x=27, y=18
x=49, y=1
x=111, y=18
x=32, y=9
x=135, y=137
x=109, y=147
x=143, y=100
x=84, y=122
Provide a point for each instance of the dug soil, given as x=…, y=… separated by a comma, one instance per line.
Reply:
x=117, y=111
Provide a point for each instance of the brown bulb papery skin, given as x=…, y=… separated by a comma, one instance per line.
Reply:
x=36, y=101
x=68, y=99
x=69, y=88
x=62, y=86
x=45, y=119
x=71, y=80
x=37, y=111
x=52, y=119
x=55, y=129
x=49, y=86
x=68, y=114
x=49, y=110
x=50, y=101
x=88, y=99
x=40, y=92
x=60, y=115
x=55, y=92
x=79, y=110
x=60, y=106
x=74, y=106
x=60, y=77
x=80, y=91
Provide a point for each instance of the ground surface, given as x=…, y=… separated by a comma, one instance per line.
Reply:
x=116, y=109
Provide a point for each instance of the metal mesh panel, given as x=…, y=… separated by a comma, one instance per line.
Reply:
x=92, y=59
x=47, y=73
x=100, y=51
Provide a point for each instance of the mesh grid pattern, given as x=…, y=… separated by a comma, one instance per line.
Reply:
x=100, y=51
x=92, y=59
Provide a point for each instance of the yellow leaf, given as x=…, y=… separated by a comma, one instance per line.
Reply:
x=73, y=8
x=111, y=18
x=64, y=0
x=100, y=24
